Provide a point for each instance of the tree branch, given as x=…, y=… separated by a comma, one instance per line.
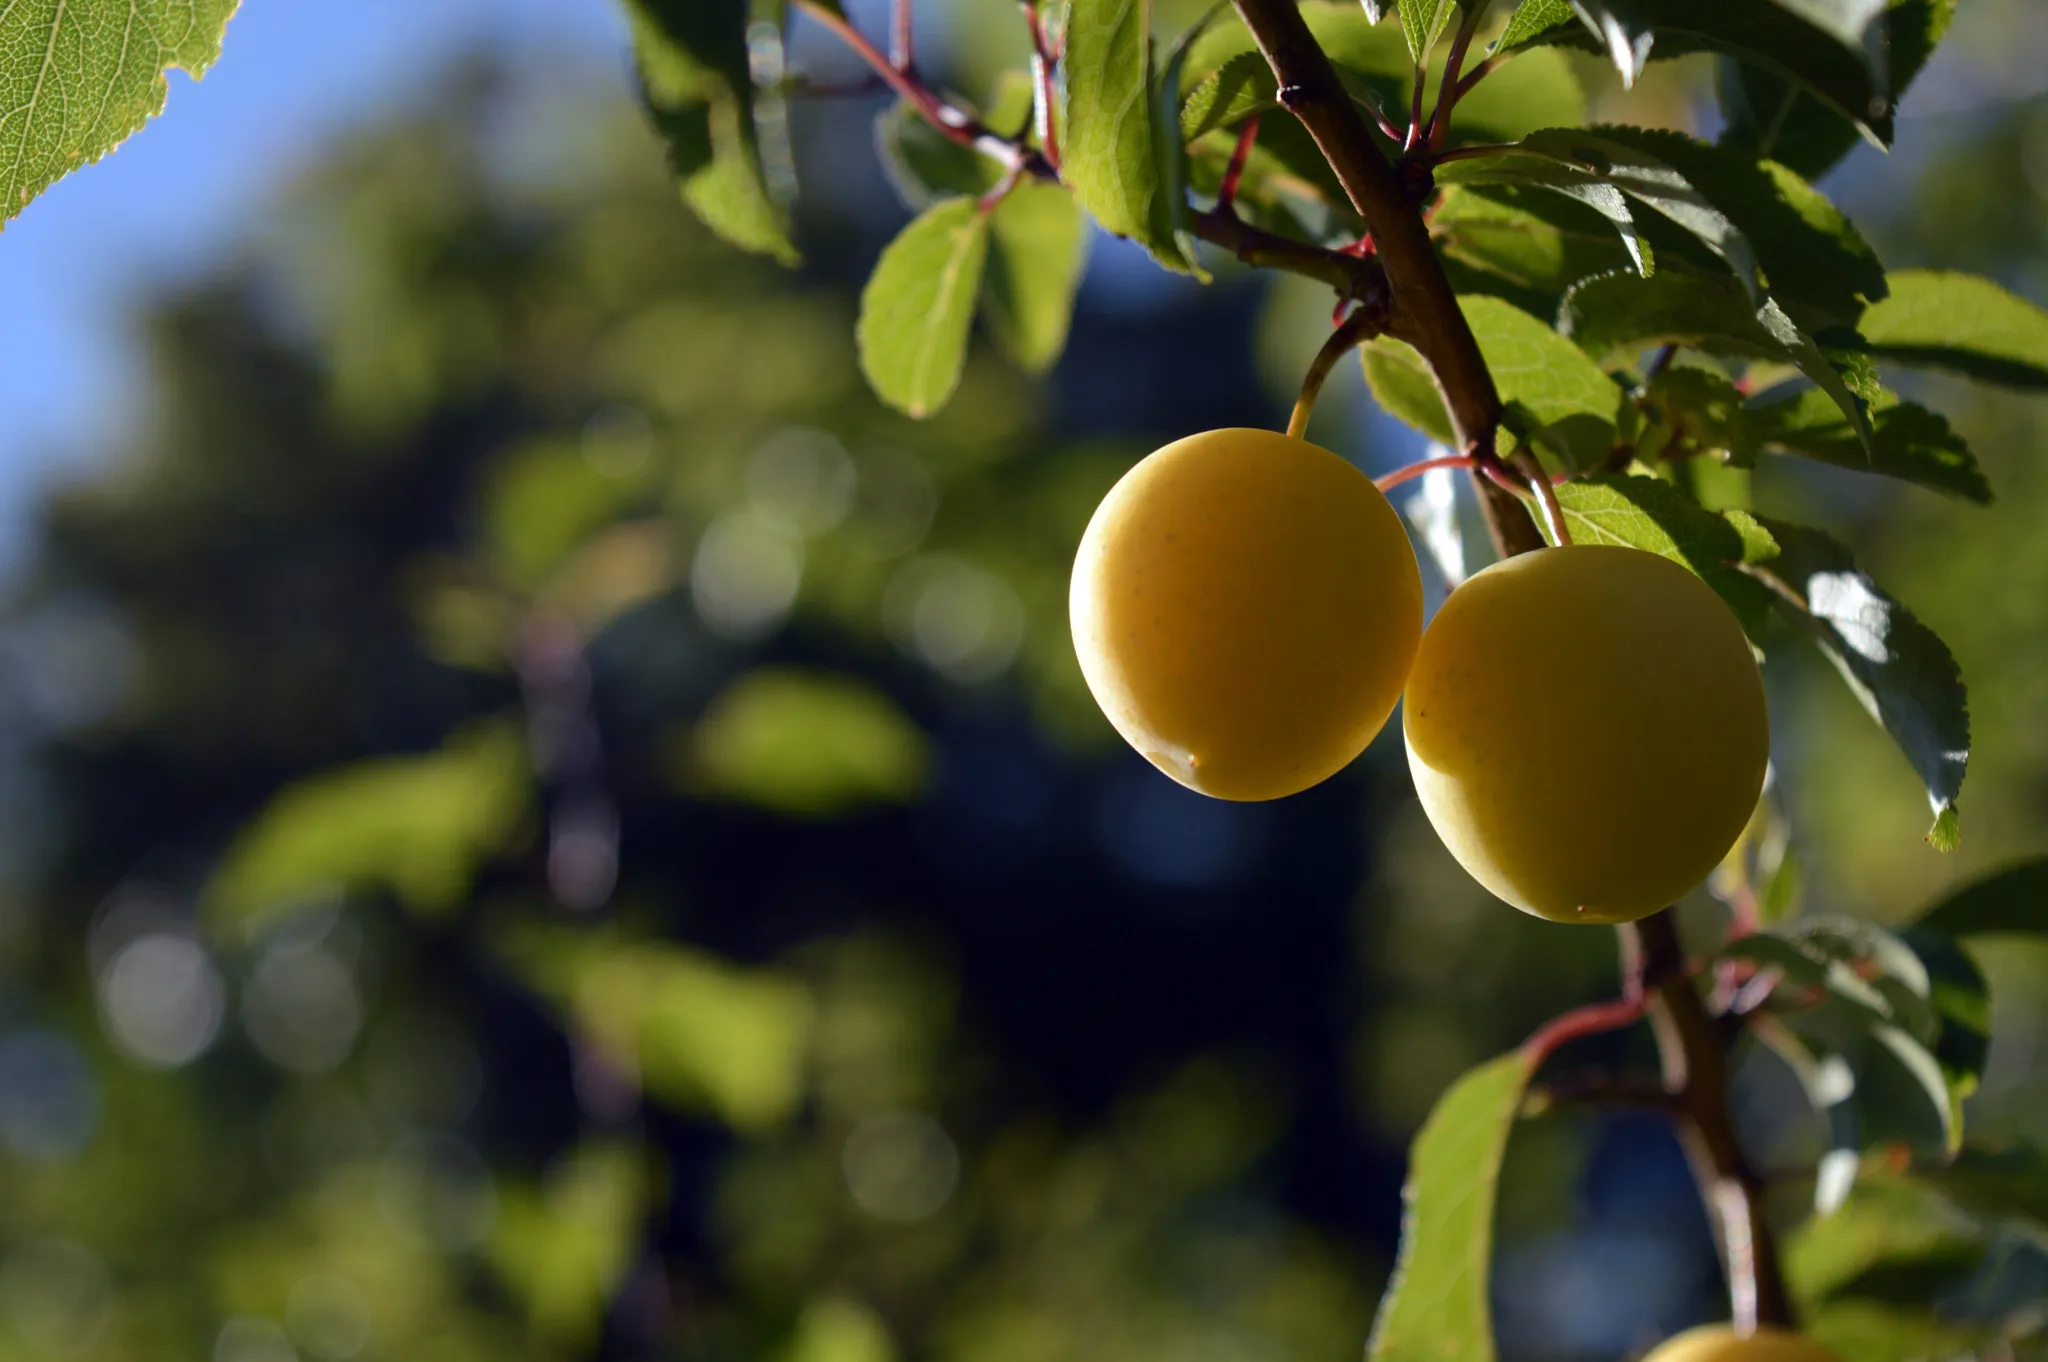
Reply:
x=1425, y=311
x=1695, y=1059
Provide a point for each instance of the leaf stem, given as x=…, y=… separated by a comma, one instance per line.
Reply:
x=1226, y=193
x=1042, y=60
x=902, y=36
x=953, y=122
x=1546, y=495
x=1448, y=93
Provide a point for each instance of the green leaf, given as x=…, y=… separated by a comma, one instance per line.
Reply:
x=1903, y=674
x=2014, y=899
x=1404, y=387
x=1772, y=115
x=1531, y=171
x=419, y=826
x=1233, y=92
x=78, y=79
x=1907, y=441
x=1037, y=247
x=918, y=305
x=1689, y=412
x=810, y=745
x=1996, y=1184
x=1436, y=1307
x=1110, y=150
x=566, y=1246
x=1524, y=245
x=923, y=164
x=1531, y=19
x=1624, y=39
x=697, y=1031
x=1422, y=23
x=1960, y=322
x=1552, y=392
x=1813, y=260
x=694, y=78
x=1962, y=1004
x=839, y=1329
x=1763, y=32
x=1653, y=515
x=1613, y=316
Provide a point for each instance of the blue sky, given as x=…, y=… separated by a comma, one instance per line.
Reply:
x=292, y=74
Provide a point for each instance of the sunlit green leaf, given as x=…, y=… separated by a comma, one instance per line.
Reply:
x=805, y=744
x=838, y=1329
x=77, y=79
x=1532, y=18
x=1233, y=92
x=1524, y=245
x=1404, y=387
x=419, y=826
x=1436, y=1308
x=694, y=76
x=1619, y=33
x=694, y=1030
x=1422, y=23
x=1904, y=675
x=1111, y=153
x=1552, y=391
x=1960, y=322
x=541, y=501
x=918, y=305
x=1037, y=247
x=1652, y=515
x=566, y=1244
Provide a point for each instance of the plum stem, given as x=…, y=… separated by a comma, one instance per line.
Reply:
x=1366, y=321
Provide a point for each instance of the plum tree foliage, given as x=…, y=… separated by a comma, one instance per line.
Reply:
x=1587, y=317
x=1583, y=315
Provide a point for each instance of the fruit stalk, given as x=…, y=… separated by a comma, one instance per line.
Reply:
x=1423, y=310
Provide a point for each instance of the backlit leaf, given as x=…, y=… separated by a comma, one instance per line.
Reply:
x=1422, y=22
x=1903, y=674
x=78, y=79
x=1553, y=392
x=1907, y=441
x=695, y=79
x=804, y=744
x=1436, y=1308
x=1963, y=323
x=918, y=305
x=1531, y=19
x=1652, y=515
x=1037, y=246
x=1111, y=152
x=419, y=826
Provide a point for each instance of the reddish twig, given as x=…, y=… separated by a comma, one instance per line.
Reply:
x=1226, y=193
x=1591, y=1020
x=955, y=123
x=1448, y=93
x=902, y=39
x=1387, y=482
x=1042, y=60
x=1415, y=111
x=1479, y=73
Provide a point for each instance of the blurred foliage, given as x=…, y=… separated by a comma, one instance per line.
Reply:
x=572, y=831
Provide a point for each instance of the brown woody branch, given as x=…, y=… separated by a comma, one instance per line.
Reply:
x=1424, y=312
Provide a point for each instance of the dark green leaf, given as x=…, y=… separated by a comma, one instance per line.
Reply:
x=1904, y=675
x=1531, y=19
x=1036, y=249
x=1524, y=245
x=76, y=80
x=1763, y=32
x=1963, y=323
x=1555, y=395
x=925, y=165
x=1534, y=171
x=1907, y=441
x=918, y=304
x=694, y=77
x=1436, y=1308
x=2014, y=899
x=1996, y=1184
x=1233, y=92
x=1422, y=23
x=1110, y=146
x=1814, y=262
x=1651, y=514
x=1772, y=115
x=1616, y=315
x=1690, y=412
x=1962, y=1005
